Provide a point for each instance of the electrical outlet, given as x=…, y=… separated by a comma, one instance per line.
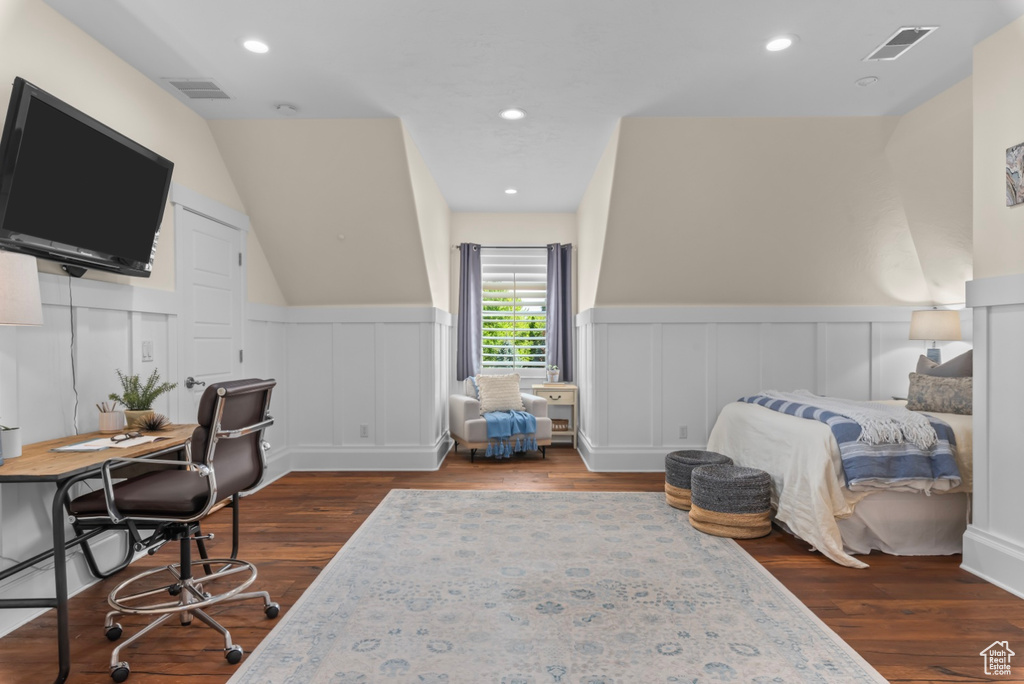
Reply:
x=147, y=350
x=684, y=431
x=364, y=430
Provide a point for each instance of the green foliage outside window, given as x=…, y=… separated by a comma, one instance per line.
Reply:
x=513, y=332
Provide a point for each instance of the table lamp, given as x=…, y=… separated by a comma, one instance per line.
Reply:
x=935, y=325
x=19, y=293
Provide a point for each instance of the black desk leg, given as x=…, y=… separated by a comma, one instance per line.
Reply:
x=60, y=578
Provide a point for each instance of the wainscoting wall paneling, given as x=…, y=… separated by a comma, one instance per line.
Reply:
x=654, y=379
x=108, y=323
x=994, y=541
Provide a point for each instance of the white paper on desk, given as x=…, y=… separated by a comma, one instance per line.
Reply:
x=135, y=441
x=93, y=445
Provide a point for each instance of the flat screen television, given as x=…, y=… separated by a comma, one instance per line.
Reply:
x=75, y=191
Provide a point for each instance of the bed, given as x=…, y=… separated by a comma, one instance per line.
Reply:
x=812, y=501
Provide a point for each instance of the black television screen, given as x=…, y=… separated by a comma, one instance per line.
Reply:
x=76, y=191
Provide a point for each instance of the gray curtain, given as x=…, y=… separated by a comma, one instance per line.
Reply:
x=559, y=323
x=469, y=341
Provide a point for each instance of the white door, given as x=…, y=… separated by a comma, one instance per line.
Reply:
x=211, y=305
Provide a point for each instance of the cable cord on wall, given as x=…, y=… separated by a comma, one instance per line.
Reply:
x=74, y=376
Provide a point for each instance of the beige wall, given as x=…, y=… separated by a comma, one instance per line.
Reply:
x=434, y=222
x=306, y=182
x=38, y=44
x=508, y=229
x=998, y=124
x=930, y=153
x=758, y=211
x=261, y=282
x=592, y=222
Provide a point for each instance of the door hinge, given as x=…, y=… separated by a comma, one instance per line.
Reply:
x=239, y=356
x=239, y=258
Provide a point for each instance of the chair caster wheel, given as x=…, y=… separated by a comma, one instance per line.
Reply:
x=174, y=591
x=234, y=654
x=272, y=611
x=114, y=632
x=120, y=672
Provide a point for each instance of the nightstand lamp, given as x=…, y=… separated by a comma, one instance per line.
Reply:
x=935, y=325
x=19, y=290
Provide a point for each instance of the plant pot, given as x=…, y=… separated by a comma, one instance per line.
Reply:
x=134, y=418
x=10, y=443
x=553, y=376
x=112, y=422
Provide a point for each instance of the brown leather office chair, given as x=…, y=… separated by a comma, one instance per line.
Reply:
x=226, y=456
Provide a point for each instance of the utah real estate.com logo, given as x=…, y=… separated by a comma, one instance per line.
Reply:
x=997, y=658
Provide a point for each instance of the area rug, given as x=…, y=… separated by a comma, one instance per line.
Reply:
x=541, y=588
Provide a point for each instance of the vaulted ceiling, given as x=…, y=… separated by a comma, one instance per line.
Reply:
x=446, y=68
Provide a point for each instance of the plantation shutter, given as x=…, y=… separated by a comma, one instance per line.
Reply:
x=514, y=306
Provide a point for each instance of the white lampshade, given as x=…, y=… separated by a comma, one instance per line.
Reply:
x=19, y=290
x=935, y=324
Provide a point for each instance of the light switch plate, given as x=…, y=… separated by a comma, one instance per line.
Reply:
x=147, y=350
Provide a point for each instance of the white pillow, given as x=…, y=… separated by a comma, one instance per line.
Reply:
x=499, y=393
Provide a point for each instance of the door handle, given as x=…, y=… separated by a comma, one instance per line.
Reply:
x=191, y=382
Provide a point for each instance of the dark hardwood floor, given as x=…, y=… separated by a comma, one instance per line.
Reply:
x=915, y=619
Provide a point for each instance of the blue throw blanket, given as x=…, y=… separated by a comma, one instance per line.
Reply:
x=501, y=425
x=871, y=465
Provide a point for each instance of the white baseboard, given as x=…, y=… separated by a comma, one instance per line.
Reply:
x=625, y=459
x=370, y=457
x=994, y=559
x=39, y=582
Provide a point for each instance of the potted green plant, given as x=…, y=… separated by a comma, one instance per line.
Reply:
x=553, y=373
x=138, y=398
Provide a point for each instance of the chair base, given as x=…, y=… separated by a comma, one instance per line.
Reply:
x=191, y=598
x=483, y=445
x=542, y=445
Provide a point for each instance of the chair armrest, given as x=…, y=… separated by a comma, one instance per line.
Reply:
x=536, y=406
x=460, y=409
x=108, y=483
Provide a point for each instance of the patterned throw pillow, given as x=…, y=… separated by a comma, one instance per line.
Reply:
x=941, y=395
x=499, y=393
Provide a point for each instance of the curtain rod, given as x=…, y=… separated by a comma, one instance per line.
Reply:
x=564, y=244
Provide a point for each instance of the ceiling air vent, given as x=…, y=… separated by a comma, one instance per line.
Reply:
x=898, y=44
x=198, y=88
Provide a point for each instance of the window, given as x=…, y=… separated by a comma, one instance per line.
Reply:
x=515, y=283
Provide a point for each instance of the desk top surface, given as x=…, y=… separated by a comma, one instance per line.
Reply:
x=38, y=463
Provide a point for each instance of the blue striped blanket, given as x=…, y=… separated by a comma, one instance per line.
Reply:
x=502, y=425
x=879, y=465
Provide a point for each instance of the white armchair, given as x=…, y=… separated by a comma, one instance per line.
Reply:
x=469, y=428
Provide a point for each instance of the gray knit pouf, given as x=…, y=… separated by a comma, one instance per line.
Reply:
x=678, y=466
x=731, y=501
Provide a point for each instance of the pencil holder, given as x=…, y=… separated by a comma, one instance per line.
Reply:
x=112, y=421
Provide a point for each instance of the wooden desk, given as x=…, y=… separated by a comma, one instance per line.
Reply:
x=39, y=464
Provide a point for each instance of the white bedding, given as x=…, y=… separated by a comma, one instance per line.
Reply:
x=802, y=457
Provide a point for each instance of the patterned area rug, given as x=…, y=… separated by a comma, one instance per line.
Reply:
x=541, y=588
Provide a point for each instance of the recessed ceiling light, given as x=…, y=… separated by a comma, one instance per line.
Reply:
x=779, y=43
x=512, y=114
x=257, y=46
x=510, y=191
x=286, y=109
x=866, y=81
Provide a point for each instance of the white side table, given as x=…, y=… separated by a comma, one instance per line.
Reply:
x=561, y=394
